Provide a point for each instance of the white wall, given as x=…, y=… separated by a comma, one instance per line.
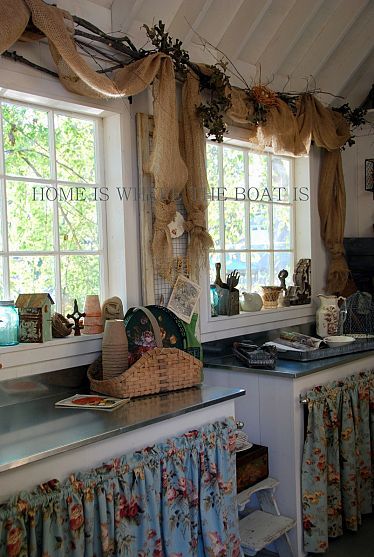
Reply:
x=360, y=203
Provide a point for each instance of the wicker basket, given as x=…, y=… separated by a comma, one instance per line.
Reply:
x=159, y=370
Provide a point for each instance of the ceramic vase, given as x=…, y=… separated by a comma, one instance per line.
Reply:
x=92, y=321
x=270, y=295
x=115, y=349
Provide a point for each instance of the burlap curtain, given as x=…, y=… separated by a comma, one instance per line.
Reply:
x=289, y=133
x=284, y=131
x=195, y=194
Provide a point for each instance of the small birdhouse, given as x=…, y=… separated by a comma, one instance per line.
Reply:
x=35, y=317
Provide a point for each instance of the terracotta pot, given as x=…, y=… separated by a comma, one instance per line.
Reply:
x=93, y=321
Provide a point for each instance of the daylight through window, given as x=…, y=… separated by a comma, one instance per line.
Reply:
x=251, y=214
x=50, y=222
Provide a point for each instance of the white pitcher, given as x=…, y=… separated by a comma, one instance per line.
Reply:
x=327, y=316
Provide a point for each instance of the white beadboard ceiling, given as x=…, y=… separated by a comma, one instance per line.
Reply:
x=282, y=42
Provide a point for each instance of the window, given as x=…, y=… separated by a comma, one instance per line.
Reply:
x=51, y=220
x=251, y=214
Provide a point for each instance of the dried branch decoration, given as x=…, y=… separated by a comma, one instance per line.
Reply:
x=215, y=86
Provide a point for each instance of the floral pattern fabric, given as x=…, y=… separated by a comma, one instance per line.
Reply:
x=338, y=465
x=174, y=499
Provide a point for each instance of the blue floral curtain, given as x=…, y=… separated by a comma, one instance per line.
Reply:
x=338, y=466
x=174, y=499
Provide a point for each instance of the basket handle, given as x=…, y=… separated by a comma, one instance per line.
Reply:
x=154, y=324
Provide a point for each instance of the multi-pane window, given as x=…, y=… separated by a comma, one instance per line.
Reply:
x=51, y=221
x=250, y=214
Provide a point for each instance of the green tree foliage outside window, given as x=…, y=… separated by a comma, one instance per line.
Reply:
x=50, y=238
x=250, y=214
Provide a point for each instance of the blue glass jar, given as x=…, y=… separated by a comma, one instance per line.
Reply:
x=9, y=322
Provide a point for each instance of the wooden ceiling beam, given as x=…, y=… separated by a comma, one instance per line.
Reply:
x=266, y=29
x=304, y=43
x=242, y=26
x=287, y=35
x=331, y=37
x=347, y=57
x=124, y=12
x=187, y=19
x=216, y=21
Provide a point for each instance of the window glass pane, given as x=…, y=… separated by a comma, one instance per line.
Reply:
x=233, y=171
x=212, y=165
x=78, y=223
x=80, y=275
x=258, y=177
x=260, y=270
x=213, y=259
x=30, y=223
x=75, y=149
x=29, y=274
x=237, y=261
x=2, y=203
x=26, y=143
x=283, y=260
x=260, y=226
x=282, y=226
x=234, y=225
x=213, y=222
x=281, y=179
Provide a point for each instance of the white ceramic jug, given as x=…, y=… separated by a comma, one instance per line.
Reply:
x=327, y=316
x=252, y=301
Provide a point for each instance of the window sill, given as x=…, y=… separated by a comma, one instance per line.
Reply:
x=62, y=353
x=224, y=326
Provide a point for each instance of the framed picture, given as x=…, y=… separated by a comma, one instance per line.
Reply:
x=184, y=298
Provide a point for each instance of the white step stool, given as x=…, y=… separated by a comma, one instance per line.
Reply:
x=266, y=525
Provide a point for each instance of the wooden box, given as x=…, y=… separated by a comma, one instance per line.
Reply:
x=252, y=466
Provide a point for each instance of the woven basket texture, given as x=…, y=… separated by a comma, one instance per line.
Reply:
x=159, y=370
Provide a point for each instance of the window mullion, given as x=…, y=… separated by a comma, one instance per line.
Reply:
x=101, y=214
x=293, y=210
x=221, y=184
x=271, y=216
x=56, y=234
x=247, y=205
x=4, y=213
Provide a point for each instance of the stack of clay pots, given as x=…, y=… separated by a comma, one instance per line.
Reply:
x=93, y=319
x=115, y=348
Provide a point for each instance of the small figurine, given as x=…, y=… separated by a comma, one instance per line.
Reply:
x=76, y=316
x=302, y=279
x=283, y=300
x=282, y=275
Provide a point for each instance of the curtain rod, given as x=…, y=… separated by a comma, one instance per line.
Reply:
x=303, y=399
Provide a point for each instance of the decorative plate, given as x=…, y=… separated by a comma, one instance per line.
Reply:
x=140, y=334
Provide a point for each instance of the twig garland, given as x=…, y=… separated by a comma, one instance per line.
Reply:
x=123, y=52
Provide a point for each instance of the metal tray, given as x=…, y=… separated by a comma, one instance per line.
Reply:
x=322, y=353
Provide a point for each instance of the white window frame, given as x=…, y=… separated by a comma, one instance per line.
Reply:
x=25, y=85
x=54, y=182
x=223, y=250
x=305, y=218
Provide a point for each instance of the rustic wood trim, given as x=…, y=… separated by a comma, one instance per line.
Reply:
x=144, y=133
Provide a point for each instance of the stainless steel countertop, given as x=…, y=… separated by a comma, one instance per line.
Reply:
x=34, y=429
x=285, y=368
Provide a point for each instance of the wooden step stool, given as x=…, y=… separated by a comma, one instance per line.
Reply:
x=265, y=525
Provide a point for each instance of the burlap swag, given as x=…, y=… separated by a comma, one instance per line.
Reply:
x=174, y=174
